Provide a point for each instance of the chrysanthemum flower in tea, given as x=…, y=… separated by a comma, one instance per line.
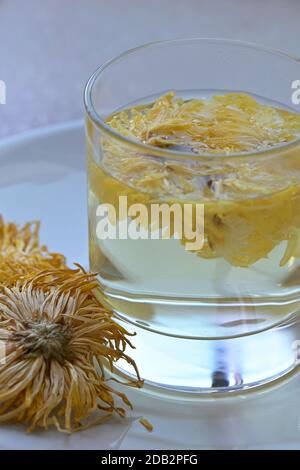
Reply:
x=252, y=202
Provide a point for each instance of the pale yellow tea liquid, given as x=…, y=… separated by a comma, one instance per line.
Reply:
x=246, y=276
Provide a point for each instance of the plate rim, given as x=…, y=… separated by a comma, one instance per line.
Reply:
x=41, y=131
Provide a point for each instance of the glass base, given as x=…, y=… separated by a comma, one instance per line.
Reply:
x=213, y=365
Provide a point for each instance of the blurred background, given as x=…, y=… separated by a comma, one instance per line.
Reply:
x=48, y=48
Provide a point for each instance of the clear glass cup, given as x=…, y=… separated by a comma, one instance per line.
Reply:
x=224, y=316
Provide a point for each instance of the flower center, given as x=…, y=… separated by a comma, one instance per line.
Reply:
x=51, y=340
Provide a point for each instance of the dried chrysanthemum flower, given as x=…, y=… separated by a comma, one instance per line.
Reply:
x=58, y=336
x=21, y=254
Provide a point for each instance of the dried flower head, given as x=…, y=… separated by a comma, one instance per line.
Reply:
x=58, y=337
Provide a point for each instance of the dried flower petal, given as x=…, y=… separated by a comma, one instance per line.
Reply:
x=144, y=422
x=21, y=254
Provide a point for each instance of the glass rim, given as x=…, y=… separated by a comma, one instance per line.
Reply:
x=167, y=153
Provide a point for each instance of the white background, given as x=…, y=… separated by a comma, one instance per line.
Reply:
x=48, y=48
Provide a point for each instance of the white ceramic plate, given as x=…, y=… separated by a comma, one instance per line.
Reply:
x=42, y=176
